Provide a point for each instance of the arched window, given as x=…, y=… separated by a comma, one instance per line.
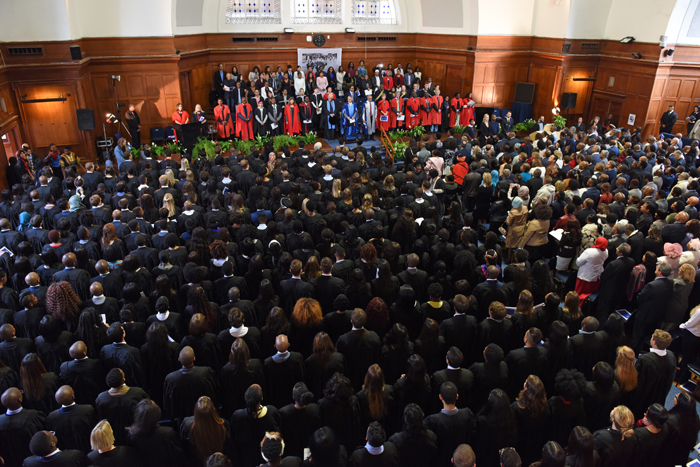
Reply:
x=316, y=11
x=253, y=11
x=374, y=12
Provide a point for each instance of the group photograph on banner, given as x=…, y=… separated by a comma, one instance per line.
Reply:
x=319, y=59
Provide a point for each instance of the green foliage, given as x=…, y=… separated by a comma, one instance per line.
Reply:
x=174, y=148
x=400, y=150
x=225, y=145
x=416, y=132
x=525, y=126
x=261, y=141
x=398, y=134
x=459, y=129
x=559, y=121
x=245, y=146
x=205, y=145
x=284, y=140
x=135, y=153
x=157, y=150
x=309, y=138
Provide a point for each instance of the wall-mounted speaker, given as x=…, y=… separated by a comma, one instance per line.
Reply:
x=524, y=93
x=568, y=100
x=86, y=119
x=566, y=47
x=75, y=53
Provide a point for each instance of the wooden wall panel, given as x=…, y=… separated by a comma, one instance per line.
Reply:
x=677, y=85
x=51, y=122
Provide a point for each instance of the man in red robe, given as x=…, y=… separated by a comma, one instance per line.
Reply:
x=388, y=80
x=180, y=118
x=398, y=110
x=456, y=107
x=412, y=111
x=222, y=115
x=244, y=120
x=292, y=124
x=436, y=111
x=383, y=111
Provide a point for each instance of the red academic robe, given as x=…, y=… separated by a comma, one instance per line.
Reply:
x=388, y=82
x=424, y=115
x=398, y=108
x=244, y=121
x=180, y=118
x=436, y=110
x=224, y=125
x=456, y=106
x=412, y=108
x=468, y=113
x=383, y=113
x=292, y=123
x=398, y=81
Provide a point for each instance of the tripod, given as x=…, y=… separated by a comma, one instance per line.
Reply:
x=116, y=78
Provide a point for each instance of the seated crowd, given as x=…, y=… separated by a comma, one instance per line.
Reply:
x=241, y=310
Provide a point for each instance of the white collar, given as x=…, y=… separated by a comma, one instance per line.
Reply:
x=71, y=405
x=358, y=329
x=374, y=451
x=13, y=412
x=660, y=353
x=53, y=453
x=98, y=299
x=581, y=331
x=238, y=332
x=189, y=213
x=163, y=316
x=452, y=368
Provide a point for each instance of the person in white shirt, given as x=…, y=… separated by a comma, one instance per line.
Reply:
x=590, y=264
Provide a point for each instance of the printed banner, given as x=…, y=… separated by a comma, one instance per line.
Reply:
x=319, y=59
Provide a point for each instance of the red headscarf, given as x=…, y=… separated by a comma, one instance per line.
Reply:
x=601, y=243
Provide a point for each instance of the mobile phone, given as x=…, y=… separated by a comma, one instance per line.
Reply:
x=104, y=319
x=307, y=454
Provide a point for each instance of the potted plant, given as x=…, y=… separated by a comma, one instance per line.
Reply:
x=400, y=150
x=416, y=132
x=157, y=150
x=459, y=130
x=135, y=153
x=308, y=139
x=225, y=146
x=284, y=140
x=559, y=122
x=205, y=145
x=524, y=126
x=244, y=146
x=261, y=141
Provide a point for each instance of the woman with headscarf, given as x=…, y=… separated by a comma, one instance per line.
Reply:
x=75, y=204
x=517, y=219
x=24, y=218
x=590, y=265
x=672, y=256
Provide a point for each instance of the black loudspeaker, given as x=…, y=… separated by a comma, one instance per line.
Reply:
x=524, y=93
x=86, y=119
x=568, y=100
x=75, y=52
x=566, y=47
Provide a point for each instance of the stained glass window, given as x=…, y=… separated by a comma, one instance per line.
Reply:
x=374, y=12
x=316, y=11
x=253, y=11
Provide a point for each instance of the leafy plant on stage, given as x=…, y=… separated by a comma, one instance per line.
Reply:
x=205, y=145
x=559, y=121
x=416, y=132
x=225, y=145
x=245, y=146
x=175, y=148
x=284, y=140
x=308, y=138
x=398, y=134
x=400, y=148
x=525, y=126
x=157, y=150
x=135, y=153
x=261, y=141
x=459, y=129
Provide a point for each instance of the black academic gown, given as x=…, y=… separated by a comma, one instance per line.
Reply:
x=462, y=378
x=72, y=426
x=524, y=362
x=460, y=331
x=612, y=281
x=61, y=459
x=655, y=375
x=261, y=124
x=86, y=377
x=248, y=430
x=612, y=449
x=117, y=457
x=15, y=433
x=162, y=448
x=361, y=348
x=79, y=279
x=297, y=426
x=586, y=351
x=119, y=410
x=13, y=351
x=127, y=358
x=184, y=387
x=451, y=429
x=281, y=377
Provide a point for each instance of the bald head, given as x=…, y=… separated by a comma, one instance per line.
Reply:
x=69, y=260
x=188, y=205
x=65, y=395
x=413, y=260
x=32, y=279
x=96, y=289
x=4, y=224
x=78, y=350
x=234, y=294
x=102, y=267
x=187, y=357
x=281, y=343
x=12, y=399
x=7, y=332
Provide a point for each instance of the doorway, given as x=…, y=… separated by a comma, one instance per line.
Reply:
x=603, y=106
x=11, y=142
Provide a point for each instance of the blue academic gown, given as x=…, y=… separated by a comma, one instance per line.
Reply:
x=330, y=109
x=349, y=110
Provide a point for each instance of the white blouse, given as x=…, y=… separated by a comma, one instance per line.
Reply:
x=590, y=264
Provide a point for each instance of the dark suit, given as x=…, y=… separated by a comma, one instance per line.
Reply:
x=219, y=77
x=653, y=300
x=668, y=119
x=673, y=233
x=507, y=124
x=613, y=279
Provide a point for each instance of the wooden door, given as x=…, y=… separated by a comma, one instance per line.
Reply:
x=601, y=106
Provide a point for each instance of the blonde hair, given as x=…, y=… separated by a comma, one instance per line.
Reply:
x=486, y=178
x=625, y=372
x=169, y=204
x=184, y=164
x=102, y=436
x=687, y=273
x=623, y=419
x=171, y=177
